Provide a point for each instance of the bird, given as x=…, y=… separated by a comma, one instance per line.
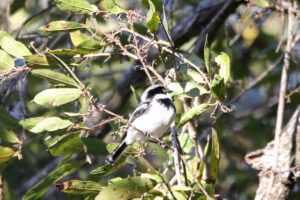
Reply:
x=154, y=115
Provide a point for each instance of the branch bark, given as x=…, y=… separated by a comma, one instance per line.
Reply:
x=287, y=168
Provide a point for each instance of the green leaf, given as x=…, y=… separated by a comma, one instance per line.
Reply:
x=165, y=23
x=79, y=187
x=65, y=144
x=55, y=77
x=135, y=94
x=152, y=18
x=261, y=3
x=56, y=27
x=141, y=164
x=108, y=168
x=31, y=122
x=42, y=61
x=207, y=57
x=186, y=89
x=9, y=125
x=6, y=62
x=76, y=6
x=77, y=37
x=7, y=119
x=126, y=189
x=140, y=28
x=190, y=114
x=11, y=46
x=6, y=154
x=112, y=7
x=224, y=62
x=187, y=145
x=89, y=46
x=57, y=96
x=37, y=191
x=218, y=88
x=157, y=4
x=63, y=51
x=196, y=76
x=49, y=124
x=8, y=135
x=214, y=157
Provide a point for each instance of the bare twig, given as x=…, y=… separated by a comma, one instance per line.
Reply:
x=259, y=78
x=195, y=179
x=282, y=92
x=176, y=154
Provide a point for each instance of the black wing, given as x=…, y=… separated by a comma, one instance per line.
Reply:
x=141, y=109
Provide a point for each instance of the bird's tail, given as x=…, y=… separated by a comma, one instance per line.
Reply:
x=111, y=158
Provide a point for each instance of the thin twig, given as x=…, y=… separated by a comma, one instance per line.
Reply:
x=176, y=154
x=195, y=179
x=138, y=53
x=259, y=78
x=282, y=92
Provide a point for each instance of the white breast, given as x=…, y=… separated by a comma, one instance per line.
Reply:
x=155, y=122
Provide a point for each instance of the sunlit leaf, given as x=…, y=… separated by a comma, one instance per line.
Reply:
x=190, y=114
x=57, y=96
x=63, y=51
x=218, y=88
x=79, y=187
x=196, y=76
x=13, y=47
x=56, y=27
x=37, y=191
x=6, y=154
x=40, y=61
x=152, y=18
x=261, y=3
x=49, y=124
x=77, y=37
x=6, y=62
x=224, y=62
x=214, y=157
x=126, y=189
x=89, y=46
x=65, y=144
x=187, y=144
x=112, y=7
x=54, y=77
x=76, y=6
x=31, y=122
x=186, y=89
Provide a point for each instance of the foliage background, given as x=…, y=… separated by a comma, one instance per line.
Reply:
x=250, y=36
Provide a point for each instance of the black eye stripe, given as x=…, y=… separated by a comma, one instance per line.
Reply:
x=154, y=91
